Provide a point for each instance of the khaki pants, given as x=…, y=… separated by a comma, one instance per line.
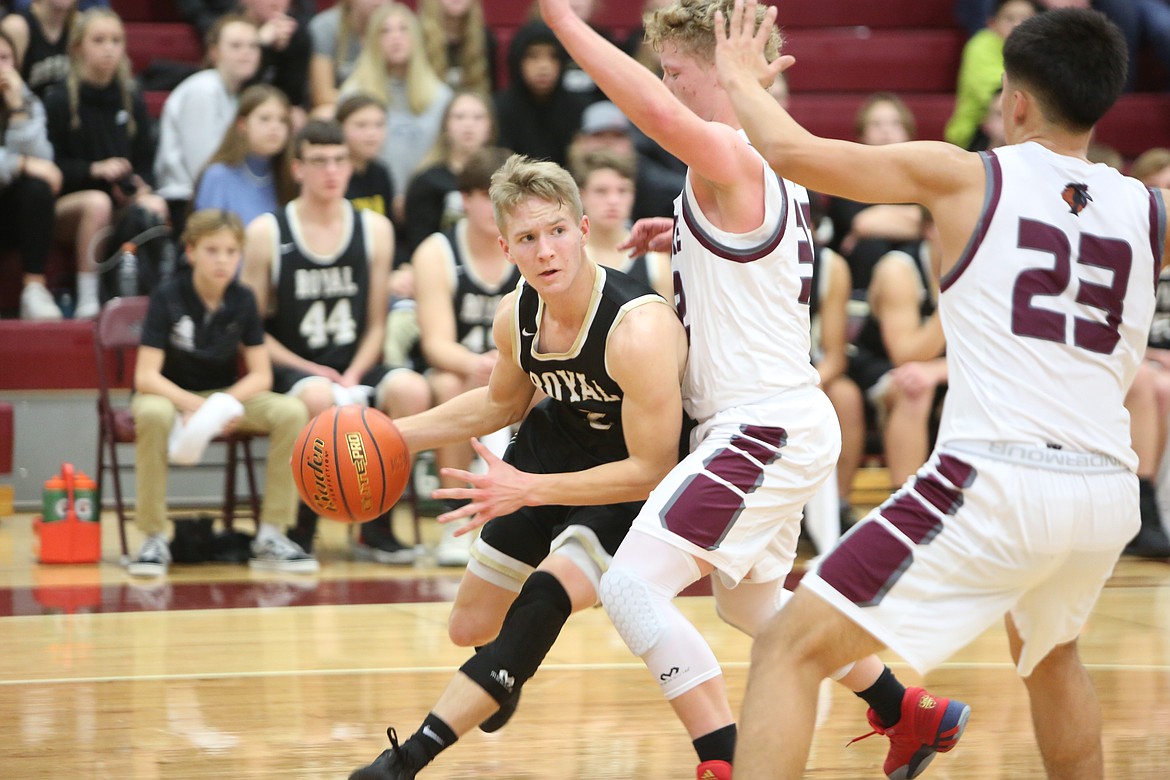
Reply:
x=278, y=416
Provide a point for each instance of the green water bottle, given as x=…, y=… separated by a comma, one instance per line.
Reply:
x=85, y=498
x=56, y=500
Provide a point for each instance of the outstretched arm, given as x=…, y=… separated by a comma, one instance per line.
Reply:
x=708, y=148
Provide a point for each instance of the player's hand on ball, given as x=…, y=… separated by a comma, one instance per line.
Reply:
x=501, y=491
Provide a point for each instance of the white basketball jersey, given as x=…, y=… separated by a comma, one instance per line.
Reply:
x=1047, y=311
x=743, y=299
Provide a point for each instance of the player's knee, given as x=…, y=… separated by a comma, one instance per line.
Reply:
x=632, y=608
x=317, y=397
x=289, y=414
x=469, y=628
x=445, y=385
x=153, y=412
x=406, y=393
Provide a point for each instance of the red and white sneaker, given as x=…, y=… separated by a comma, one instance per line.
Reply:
x=929, y=725
x=713, y=770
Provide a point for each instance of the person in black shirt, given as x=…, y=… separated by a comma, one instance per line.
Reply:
x=41, y=35
x=609, y=354
x=197, y=326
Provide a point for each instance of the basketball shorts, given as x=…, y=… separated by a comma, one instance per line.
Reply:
x=512, y=546
x=736, y=501
x=288, y=380
x=981, y=530
x=871, y=373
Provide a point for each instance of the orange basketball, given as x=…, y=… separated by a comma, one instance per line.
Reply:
x=350, y=464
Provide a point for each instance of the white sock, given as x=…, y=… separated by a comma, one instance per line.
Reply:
x=87, y=287
x=266, y=531
x=188, y=442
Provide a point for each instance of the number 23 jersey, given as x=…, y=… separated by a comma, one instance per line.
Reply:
x=1047, y=311
x=320, y=312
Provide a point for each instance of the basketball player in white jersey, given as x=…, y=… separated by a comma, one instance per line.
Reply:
x=767, y=437
x=1047, y=293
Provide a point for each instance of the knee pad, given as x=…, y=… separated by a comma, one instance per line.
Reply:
x=633, y=609
x=528, y=632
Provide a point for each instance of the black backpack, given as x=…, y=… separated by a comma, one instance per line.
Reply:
x=146, y=236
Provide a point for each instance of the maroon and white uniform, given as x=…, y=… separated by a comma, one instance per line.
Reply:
x=1030, y=494
x=767, y=437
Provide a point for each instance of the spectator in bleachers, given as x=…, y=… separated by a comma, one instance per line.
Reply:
x=537, y=116
x=201, y=109
x=606, y=181
x=82, y=5
x=103, y=142
x=29, y=181
x=337, y=34
x=192, y=374
x=577, y=81
x=863, y=233
x=250, y=173
x=433, y=202
x=604, y=126
x=459, y=45
x=1152, y=168
x=363, y=121
x=393, y=67
x=286, y=49
x=981, y=69
x=202, y=14
x=990, y=132
x=637, y=45
x=1104, y=153
x=41, y=35
x=898, y=363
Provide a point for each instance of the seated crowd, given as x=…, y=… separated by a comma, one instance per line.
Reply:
x=366, y=133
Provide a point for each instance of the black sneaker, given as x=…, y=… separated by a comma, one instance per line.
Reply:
x=501, y=716
x=376, y=542
x=302, y=537
x=1151, y=540
x=391, y=765
x=153, y=558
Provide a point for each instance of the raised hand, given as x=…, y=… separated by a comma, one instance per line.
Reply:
x=739, y=52
x=501, y=491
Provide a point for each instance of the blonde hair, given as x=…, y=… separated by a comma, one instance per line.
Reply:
x=207, y=222
x=1149, y=162
x=233, y=149
x=369, y=74
x=473, y=57
x=690, y=24
x=522, y=178
x=440, y=152
x=122, y=77
x=905, y=115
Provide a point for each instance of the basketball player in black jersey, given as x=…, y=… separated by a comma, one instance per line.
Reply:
x=462, y=275
x=320, y=270
x=606, y=180
x=609, y=354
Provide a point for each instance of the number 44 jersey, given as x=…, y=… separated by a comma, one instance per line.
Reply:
x=1047, y=311
x=319, y=310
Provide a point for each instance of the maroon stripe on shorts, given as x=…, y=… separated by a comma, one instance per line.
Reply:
x=866, y=564
x=945, y=499
x=908, y=515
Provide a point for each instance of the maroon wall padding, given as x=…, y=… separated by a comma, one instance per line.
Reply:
x=7, y=437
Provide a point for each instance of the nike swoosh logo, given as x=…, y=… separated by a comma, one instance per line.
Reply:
x=527, y=333
x=430, y=734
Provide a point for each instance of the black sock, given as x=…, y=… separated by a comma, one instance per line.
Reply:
x=431, y=739
x=885, y=696
x=719, y=745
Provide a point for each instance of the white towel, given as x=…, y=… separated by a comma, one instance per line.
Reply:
x=189, y=441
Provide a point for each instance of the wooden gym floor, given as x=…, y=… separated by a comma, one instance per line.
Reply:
x=221, y=673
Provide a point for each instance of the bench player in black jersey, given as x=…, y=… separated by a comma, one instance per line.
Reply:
x=320, y=270
x=609, y=354
x=462, y=274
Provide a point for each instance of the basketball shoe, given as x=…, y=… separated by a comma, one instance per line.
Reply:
x=391, y=765
x=929, y=725
x=713, y=770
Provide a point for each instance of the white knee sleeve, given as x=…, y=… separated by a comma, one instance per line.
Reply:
x=638, y=592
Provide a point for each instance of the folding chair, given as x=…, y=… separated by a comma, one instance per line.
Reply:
x=116, y=332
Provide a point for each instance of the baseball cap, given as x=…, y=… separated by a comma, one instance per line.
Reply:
x=603, y=117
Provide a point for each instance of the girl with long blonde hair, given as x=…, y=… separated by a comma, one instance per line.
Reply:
x=337, y=34
x=459, y=45
x=393, y=68
x=103, y=140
